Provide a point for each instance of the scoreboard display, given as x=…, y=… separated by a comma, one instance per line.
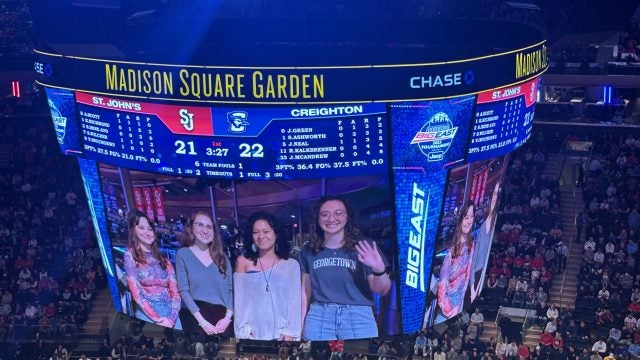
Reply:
x=503, y=119
x=280, y=142
x=423, y=138
x=251, y=143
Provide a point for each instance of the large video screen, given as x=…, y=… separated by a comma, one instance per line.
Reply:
x=363, y=200
x=260, y=300
x=464, y=238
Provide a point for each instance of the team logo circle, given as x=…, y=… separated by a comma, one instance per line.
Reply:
x=435, y=137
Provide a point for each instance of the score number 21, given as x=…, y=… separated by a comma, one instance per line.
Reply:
x=246, y=150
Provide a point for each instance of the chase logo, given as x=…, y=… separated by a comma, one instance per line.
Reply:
x=237, y=121
x=59, y=122
x=441, y=80
x=435, y=137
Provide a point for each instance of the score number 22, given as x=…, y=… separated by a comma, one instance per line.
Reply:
x=246, y=150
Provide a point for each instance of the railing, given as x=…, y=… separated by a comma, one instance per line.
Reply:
x=498, y=332
x=105, y=325
x=31, y=333
x=573, y=148
x=523, y=330
x=558, y=175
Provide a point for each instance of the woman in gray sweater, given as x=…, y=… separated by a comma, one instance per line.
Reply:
x=204, y=278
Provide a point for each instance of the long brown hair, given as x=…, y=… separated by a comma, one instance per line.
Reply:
x=216, y=250
x=134, y=242
x=351, y=232
x=456, y=248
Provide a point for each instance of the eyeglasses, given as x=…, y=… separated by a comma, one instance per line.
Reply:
x=200, y=225
x=144, y=228
x=336, y=214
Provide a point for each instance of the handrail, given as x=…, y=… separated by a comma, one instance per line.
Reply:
x=105, y=327
x=590, y=155
x=563, y=158
x=564, y=145
x=524, y=322
x=498, y=332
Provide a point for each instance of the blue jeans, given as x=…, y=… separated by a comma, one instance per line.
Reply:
x=327, y=321
x=142, y=316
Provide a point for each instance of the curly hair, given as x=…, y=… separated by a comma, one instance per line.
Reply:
x=282, y=244
x=216, y=249
x=352, y=233
x=134, y=242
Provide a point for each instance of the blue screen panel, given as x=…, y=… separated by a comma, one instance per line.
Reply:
x=418, y=207
x=427, y=138
x=430, y=135
x=63, y=113
x=91, y=181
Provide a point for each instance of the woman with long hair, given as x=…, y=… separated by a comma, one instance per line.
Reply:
x=149, y=274
x=456, y=267
x=204, y=278
x=340, y=272
x=482, y=244
x=267, y=294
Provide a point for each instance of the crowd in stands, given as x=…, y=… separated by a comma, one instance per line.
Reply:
x=628, y=43
x=172, y=345
x=609, y=281
x=27, y=104
x=50, y=268
x=16, y=37
x=528, y=249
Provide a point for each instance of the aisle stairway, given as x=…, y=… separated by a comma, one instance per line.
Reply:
x=490, y=330
x=96, y=327
x=99, y=311
x=552, y=166
x=564, y=289
x=227, y=349
x=563, y=292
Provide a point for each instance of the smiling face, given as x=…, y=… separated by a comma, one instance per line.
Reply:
x=467, y=220
x=332, y=217
x=144, y=233
x=264, y=236
x=203, y=229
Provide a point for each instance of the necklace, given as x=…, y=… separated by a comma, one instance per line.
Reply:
x=267, y=279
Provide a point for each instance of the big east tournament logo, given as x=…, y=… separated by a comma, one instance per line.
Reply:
x=435, y=137
x=59, y=122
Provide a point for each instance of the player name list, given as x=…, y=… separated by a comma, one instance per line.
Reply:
x=498, y=126
x=118, y=135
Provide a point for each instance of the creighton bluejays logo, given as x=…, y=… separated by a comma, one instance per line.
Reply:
x=237, y=121
x=59, y=122
x=435, y=137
